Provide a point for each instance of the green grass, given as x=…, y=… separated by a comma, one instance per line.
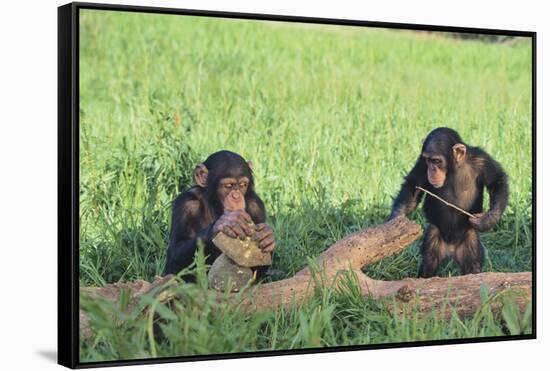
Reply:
x=332, y=118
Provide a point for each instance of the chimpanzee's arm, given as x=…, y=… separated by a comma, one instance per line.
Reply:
x=408, y=197
x=255, y=208
x=186, y=232
x=495, y=179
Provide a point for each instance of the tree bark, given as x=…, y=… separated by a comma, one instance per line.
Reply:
x=461, y=293
x=445, y=294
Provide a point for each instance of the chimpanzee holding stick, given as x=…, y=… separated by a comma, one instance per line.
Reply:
x=453, y=171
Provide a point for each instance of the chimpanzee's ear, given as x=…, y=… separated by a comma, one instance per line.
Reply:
x=459, y=152
x=201, y=175
x=250, y=164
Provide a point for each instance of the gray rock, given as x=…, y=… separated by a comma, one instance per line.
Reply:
x=225, y=272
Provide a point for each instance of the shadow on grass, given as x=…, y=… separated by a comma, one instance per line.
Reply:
x=305, y=231
x=315, y=227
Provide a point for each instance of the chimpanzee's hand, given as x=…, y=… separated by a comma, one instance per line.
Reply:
x=264, y=236
x=235, y=224
x=483, y=221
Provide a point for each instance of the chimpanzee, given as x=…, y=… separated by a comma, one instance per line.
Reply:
x=457, y=173
x=198, y=213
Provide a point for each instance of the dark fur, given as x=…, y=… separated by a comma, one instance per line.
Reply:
x=450, y=233
x=196, y=210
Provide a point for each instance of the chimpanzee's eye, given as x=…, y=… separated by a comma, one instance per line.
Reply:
x=243, y=184
x=228, y=185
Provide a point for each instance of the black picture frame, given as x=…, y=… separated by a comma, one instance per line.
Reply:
x=68, y=177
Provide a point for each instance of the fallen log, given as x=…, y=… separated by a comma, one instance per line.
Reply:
x=346, y=257
x=368, y=246
x=351, y=253
x=444, y=294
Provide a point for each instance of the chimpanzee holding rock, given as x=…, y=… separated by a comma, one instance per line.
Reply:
x=198, y=214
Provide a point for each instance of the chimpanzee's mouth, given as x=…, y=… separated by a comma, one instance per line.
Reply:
x=436, y=184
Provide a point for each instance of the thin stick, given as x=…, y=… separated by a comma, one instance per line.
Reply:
x=447, y=203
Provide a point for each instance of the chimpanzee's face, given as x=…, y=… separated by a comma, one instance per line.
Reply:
x=437, y=168
x=231, y=192
x=227, y=179
x=442, y=155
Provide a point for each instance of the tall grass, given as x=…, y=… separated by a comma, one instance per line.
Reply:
x=332, y=118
